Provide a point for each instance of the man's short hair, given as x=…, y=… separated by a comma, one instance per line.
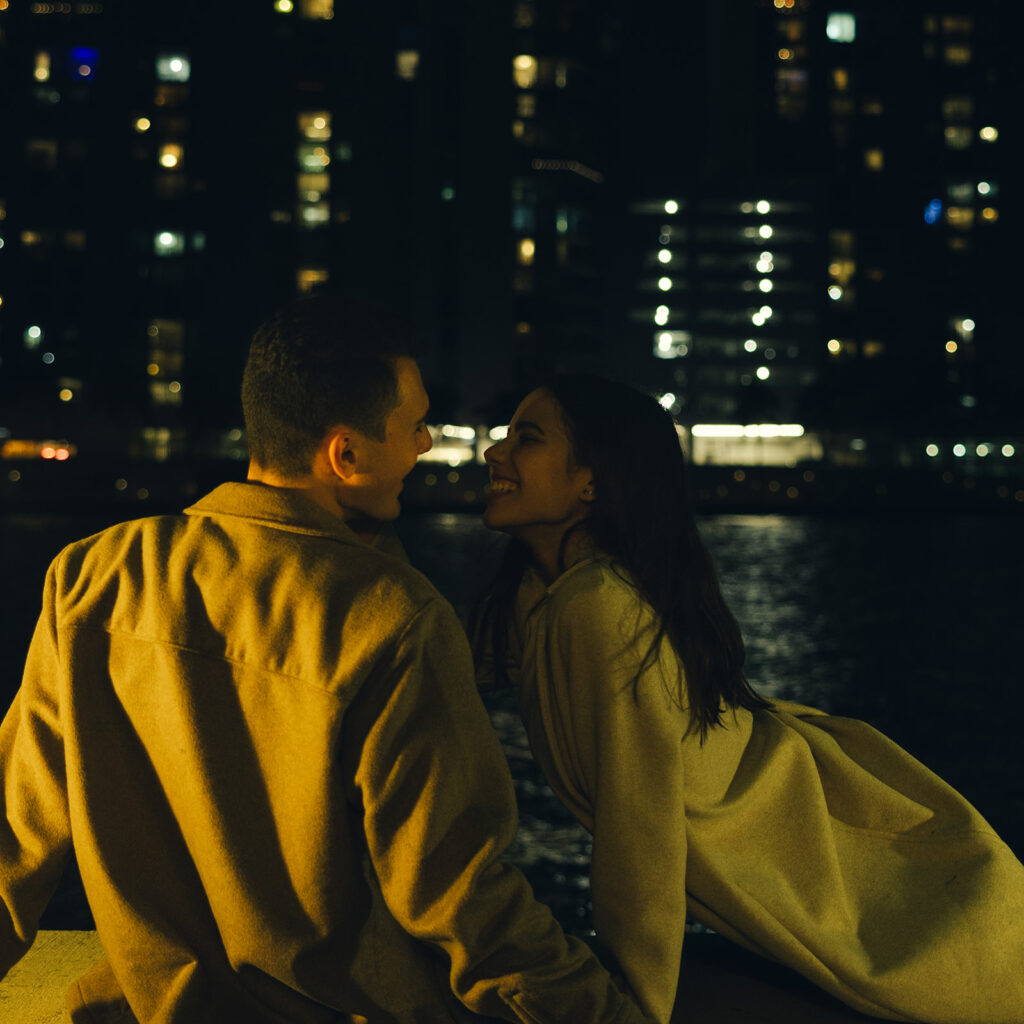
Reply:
x=320, y=361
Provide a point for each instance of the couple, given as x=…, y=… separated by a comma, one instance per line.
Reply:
x=258, y=727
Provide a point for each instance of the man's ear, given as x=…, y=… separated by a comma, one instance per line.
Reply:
x=341, y=452
x=588, y=493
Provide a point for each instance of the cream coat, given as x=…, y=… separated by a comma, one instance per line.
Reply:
x=810, y=839
x=263, y=739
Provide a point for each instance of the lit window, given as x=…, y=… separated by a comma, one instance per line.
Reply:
x=959, y=450
x=315, y=124
x=406, y=64
x=951, y=347
x=308, y=278
x=65, y=394
x=840, y=79
x=316, y=10
x=315, y=215
x=527, y=251
x=311, y=187
x=874, y=159
x=524, y=15
x=165, y=392
x=958, y=136
x=142, y=124
x=987, y=188
x=988, y=134
x=41, y=154
x=524, y=70
x=41, y=72
x=841, y=27
x=671, y=206
x=171, y=156
x=958, y=108
x=1008, y=451
x=990, y=214
x=173, y=67
x=931, y=450
x=313, y=157
x=526, y=104
x=957, y=54
x=953, y=25
x=671, y=344
x=168, y=243
x=561, y=74
x=31, y=238
x=284, y=6
x=872, y=349
x=74, y=239
x=82, y=62
x=765, y=284
x=961, y=217
x=665, y=284
x=763, y=373
x=835, y=346
x=765, y=231
x=933, y=211
x=661, y=315
x=665, y=256
x=33, y=336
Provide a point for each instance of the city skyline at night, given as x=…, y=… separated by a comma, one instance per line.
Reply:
x=771, y=213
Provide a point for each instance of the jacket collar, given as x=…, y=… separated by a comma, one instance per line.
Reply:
x=282, y=507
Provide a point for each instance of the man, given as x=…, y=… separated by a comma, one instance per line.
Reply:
x=261, y=734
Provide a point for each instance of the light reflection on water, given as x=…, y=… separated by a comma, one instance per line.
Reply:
x=907, y=622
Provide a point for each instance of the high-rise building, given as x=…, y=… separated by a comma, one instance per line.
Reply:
x=865, y=146
x=171, y=172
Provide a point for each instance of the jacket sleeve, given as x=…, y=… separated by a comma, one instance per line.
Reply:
x=35, y=834
x=439, y=809
x=621, y=755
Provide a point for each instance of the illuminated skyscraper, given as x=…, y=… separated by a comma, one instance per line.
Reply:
x=171, y=172
x=872, y=137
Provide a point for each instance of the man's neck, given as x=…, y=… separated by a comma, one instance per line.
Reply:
x=307, y=485
x=367, y=530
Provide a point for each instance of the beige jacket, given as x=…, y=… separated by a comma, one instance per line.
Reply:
x=810, y=839
x=263, y=739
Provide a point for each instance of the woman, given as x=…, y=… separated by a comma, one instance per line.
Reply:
x=810, y=839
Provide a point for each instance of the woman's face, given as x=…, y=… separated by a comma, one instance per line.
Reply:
x=537, y=492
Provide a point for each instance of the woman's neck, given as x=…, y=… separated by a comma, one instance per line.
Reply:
x=554, y=552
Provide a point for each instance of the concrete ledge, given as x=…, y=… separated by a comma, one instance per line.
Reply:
x=33, y=991
x=720, y=985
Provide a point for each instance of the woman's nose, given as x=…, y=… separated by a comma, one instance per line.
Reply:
x=493, y=454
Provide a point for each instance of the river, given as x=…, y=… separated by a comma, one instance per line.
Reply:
x=909, y=622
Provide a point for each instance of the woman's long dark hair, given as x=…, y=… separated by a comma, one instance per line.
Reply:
x=643, y=518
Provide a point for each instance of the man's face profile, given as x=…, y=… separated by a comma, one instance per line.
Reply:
x=389, y=461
